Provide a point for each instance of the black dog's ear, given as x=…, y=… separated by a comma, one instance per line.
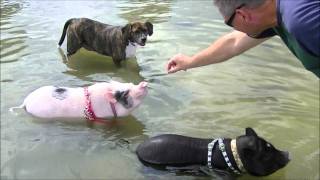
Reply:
x=250, y=132
x=149, y=27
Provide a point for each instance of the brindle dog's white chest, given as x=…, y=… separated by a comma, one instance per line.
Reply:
x=131, y=50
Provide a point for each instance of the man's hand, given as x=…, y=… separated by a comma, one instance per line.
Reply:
x=178, y=62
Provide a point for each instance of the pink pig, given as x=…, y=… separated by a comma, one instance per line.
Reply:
x=96, y=102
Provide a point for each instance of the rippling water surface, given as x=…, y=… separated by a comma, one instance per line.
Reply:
x=265, y=88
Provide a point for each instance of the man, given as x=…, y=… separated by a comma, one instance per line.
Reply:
x=297, y=22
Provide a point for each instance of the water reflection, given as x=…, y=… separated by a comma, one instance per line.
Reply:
x=13, y=35
x=85, y=63
x=9, y=8
x=155, y=11
x=265, y=88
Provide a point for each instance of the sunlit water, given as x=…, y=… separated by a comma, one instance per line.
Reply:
x=265, y=88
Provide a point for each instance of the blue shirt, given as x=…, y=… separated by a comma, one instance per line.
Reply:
x=302, y=19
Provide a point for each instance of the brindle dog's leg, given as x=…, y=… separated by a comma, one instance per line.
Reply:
x=73, y=44
x=116, y=61
x=64, y=57
x=118, y=56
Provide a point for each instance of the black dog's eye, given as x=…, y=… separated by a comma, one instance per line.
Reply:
x=268, y=145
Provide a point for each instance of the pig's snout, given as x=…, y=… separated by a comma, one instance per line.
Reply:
x=140, y=90
x=143, y=84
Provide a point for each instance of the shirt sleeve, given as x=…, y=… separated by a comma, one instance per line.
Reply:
x=302, y=20
x=306, y=28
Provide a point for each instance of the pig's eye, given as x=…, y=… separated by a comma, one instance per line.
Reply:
x=126, y=93
x=123, y=98
x=121, y=94
x=117, y=95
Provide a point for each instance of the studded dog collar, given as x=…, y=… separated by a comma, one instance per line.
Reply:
x=88, y=110
x=223, y=152
x=236, y=155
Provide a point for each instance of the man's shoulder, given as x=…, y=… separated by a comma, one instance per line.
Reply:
x=301, y=18
x=296, y=15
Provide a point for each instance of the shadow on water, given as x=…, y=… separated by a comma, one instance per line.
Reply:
x=122, y=128
x=85, y=63
x=70, y=143
x=123, y=132
x=191, y=170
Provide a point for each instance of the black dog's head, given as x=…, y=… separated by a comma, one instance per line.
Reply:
x=259, y=157
x=137, y=32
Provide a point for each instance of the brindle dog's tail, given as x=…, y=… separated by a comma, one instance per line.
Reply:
x=64, y=31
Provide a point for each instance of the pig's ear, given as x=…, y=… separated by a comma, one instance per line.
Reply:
x=110, y=96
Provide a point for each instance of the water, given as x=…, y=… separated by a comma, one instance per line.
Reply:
x=266, y=88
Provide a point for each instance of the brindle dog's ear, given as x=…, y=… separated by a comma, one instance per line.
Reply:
x=149, y=27
x=126, y=31
x=250, y=132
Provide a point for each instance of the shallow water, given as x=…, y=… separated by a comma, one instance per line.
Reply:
x=265, y=88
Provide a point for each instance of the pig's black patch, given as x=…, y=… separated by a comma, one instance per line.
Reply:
x=123, y=98
x=60, y=93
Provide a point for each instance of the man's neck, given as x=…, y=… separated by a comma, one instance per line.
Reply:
x=271, y=13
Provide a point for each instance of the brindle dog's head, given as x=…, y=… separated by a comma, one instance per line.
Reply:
x=137, y=32
x=259, y=157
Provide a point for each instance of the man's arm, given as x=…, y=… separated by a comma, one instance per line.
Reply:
x=224, y=48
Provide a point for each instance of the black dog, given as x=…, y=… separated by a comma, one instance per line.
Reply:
x=247, y=153
x=119, y=42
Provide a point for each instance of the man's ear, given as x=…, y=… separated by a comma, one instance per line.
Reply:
x=126, y=30
x=250, y=132
x=245, y=15
x=110, y=96
x=149, y=27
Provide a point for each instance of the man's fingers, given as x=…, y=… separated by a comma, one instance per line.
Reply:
x=174, y=64
x=170, y=64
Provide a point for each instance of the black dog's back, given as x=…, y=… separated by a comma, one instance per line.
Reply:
x=248, y=152
x=166, y=150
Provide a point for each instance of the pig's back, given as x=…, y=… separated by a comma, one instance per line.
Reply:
x=54, y=102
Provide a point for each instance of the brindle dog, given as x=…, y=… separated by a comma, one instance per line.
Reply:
x=114, y=41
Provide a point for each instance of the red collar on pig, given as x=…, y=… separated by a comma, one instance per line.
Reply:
x=88, y=111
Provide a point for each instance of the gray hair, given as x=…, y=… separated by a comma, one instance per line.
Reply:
x=227, y=7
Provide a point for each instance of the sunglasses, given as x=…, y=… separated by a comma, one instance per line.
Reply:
x=230, y=20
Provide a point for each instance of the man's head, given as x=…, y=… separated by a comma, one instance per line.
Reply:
x=249, y=16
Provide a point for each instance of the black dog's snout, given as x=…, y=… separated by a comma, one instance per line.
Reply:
x=287, y=155
x=144, y=39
